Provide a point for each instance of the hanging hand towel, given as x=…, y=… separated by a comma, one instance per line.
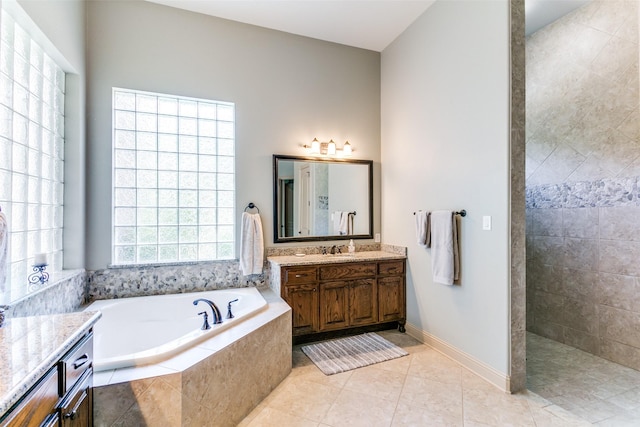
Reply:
x=422, y=227
x=445, y=261
x=251, y=244
x=4, y=249
x=344, y=223
x=337, y=217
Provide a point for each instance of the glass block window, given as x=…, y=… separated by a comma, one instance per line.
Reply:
x=32, y=90
x=173, y=178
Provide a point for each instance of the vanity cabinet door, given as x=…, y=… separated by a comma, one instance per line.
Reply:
x=334, y=305
x=363, y=300
x=303, y=300
x=391, y=302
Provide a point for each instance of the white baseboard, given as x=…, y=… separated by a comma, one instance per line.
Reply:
x=479, y=368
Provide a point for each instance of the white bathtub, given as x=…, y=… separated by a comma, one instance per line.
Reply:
x=142, y=330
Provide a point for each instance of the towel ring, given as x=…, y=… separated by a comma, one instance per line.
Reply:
x=251, y=205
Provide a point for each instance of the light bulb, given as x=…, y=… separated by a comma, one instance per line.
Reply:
x=315, y=146
x=346, y=149
x=331, y=148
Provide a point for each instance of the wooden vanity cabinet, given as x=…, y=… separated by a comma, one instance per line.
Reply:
x=300, y=291
x=331, y=297
x=63, y=396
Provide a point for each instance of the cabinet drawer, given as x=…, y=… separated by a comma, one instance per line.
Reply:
x=391, y=267
x=347, y=271
x=299, y=275
x=75, y=363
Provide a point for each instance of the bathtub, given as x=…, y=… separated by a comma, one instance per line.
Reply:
x=142, y=330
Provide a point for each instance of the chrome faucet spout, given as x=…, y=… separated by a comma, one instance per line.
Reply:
x=217, y=317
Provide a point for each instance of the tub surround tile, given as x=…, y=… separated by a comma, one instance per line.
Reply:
x=29, y=346
x=208, y=384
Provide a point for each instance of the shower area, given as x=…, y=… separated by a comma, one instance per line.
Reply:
x=583, y=210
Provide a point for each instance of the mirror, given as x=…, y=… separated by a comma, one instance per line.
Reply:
x=322, y=199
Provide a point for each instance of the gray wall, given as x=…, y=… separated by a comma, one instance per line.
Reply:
x=583, y=162
x=287, y=89
x=445, y=134
x=64, y=23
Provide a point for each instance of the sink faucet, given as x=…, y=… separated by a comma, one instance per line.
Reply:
x=217, y=318
x=335, y=250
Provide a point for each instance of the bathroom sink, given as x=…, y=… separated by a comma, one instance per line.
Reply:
x=342, y=256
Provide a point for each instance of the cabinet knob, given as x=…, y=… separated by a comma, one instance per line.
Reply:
x=299, y=275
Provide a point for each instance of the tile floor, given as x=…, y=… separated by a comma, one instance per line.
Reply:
x=601, y=392
x=422, y=389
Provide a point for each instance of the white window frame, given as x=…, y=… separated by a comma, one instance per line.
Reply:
x=173, y=179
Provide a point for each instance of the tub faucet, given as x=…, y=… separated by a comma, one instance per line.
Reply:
x=229, y=313
x=217, y=318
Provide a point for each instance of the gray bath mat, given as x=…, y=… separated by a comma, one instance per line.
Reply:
x=348, y=353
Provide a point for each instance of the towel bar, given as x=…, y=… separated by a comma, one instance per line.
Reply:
x=462, y=213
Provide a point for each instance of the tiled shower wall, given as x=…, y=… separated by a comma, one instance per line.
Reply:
x=583, y=163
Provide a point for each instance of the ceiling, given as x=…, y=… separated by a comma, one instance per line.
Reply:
x=367, y=24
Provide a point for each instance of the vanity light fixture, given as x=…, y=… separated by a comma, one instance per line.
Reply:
x=328, y=148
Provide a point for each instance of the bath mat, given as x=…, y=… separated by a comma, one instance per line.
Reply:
x=344, y=354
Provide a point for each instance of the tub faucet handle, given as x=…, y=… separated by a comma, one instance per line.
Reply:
x=229, y=313
x=205, y=325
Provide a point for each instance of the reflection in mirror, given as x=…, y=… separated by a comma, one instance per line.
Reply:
x=322, y=199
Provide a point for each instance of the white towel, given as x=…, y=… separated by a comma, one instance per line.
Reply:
x=344, y=223
x=445, y=262
x=422, y=226
x=4, y=249
x=341, y=223
x=251, y=244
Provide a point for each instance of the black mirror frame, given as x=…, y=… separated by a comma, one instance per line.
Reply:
x=277, y=239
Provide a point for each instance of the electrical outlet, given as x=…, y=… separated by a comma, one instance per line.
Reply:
x=377, y=238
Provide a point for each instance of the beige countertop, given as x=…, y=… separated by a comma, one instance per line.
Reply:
x=291, y=260
x=30, y=346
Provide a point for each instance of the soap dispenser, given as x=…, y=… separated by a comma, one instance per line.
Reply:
x=352, y=247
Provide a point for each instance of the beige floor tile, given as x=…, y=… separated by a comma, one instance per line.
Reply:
x=356, y=409
x=439, y=398
x=435, y=366
x=376, y=382
x=302, y=398
x=270, y=417
x=407, y=415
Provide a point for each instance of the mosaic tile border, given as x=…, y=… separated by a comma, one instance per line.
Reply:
x=63, y=296
x=608, y=192
x=168, y=279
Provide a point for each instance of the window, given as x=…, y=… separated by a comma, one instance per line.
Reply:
x=32, y=89
x=173, y=178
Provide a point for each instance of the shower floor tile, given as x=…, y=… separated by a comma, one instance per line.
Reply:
x=597, y=390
